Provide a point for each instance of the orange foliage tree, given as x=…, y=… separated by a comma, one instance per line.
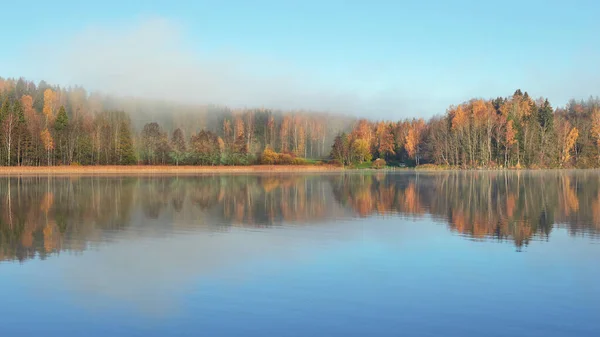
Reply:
x=413, y=139
x=385, y=140
x=48, y=142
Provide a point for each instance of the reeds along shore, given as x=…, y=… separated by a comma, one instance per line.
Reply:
x=156, y=169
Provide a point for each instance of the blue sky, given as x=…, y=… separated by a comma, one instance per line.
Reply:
x=389, y=59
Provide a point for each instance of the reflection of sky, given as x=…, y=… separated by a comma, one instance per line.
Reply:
x=378, y=276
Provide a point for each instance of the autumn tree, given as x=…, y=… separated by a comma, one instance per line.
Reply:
x=240, y=145
x=49, y=105
x=510, y=140
x=299, y=136
x=154, y=142
x=385, y=140
x=595, y=130
x=363, y=130
x=205, y=148
x=360, y=151
x=240, y=130
x=413, y=139
x=48, y=142
x=567, y=137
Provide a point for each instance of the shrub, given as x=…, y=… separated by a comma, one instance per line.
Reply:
x=299, y=161
x=234, y=159
x=285, y=159
x=336, y=163
x=251, y=159
x=431, y=167
x=492, y=165
x=379, y=163
x=269, y=157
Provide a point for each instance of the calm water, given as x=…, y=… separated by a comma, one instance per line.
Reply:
x=439, y=254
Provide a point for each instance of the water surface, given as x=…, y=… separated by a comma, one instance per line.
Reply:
x=376, y=254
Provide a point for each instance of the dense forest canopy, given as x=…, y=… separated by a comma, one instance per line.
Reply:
x=48, y=125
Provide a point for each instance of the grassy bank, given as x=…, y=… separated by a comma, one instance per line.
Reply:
x=36, y=170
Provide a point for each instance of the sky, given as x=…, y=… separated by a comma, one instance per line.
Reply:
x=385, y=59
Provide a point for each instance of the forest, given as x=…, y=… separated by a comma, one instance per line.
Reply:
x=45, y=125
x=506, y=132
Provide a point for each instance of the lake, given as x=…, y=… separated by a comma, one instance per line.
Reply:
x=339, y=254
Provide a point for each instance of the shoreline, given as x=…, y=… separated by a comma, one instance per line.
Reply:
x=206, y=170
x=159, y=169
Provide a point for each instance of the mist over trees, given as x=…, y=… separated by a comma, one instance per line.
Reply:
x=49, y=125
x=41, y=125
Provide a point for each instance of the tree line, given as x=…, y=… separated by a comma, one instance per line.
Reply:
x=49, y=125
x=509, y=132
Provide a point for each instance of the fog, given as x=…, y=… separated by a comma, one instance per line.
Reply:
x=157, y=58
x=153, y=58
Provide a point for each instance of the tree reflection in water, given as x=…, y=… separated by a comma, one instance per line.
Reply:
x=46, y=215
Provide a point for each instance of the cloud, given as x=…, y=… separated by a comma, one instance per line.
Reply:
x=154, y=58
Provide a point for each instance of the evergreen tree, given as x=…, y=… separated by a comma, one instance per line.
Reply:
x=545, y=115
x=62, y=120
x=125, y=150
x=151, y=135
x=5, y=109
x=337, y=150
x=61, y=125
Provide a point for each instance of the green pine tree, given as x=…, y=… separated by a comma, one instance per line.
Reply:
x=62, y=120
x=4, y=110
x=126, y=153
x=545, y=115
